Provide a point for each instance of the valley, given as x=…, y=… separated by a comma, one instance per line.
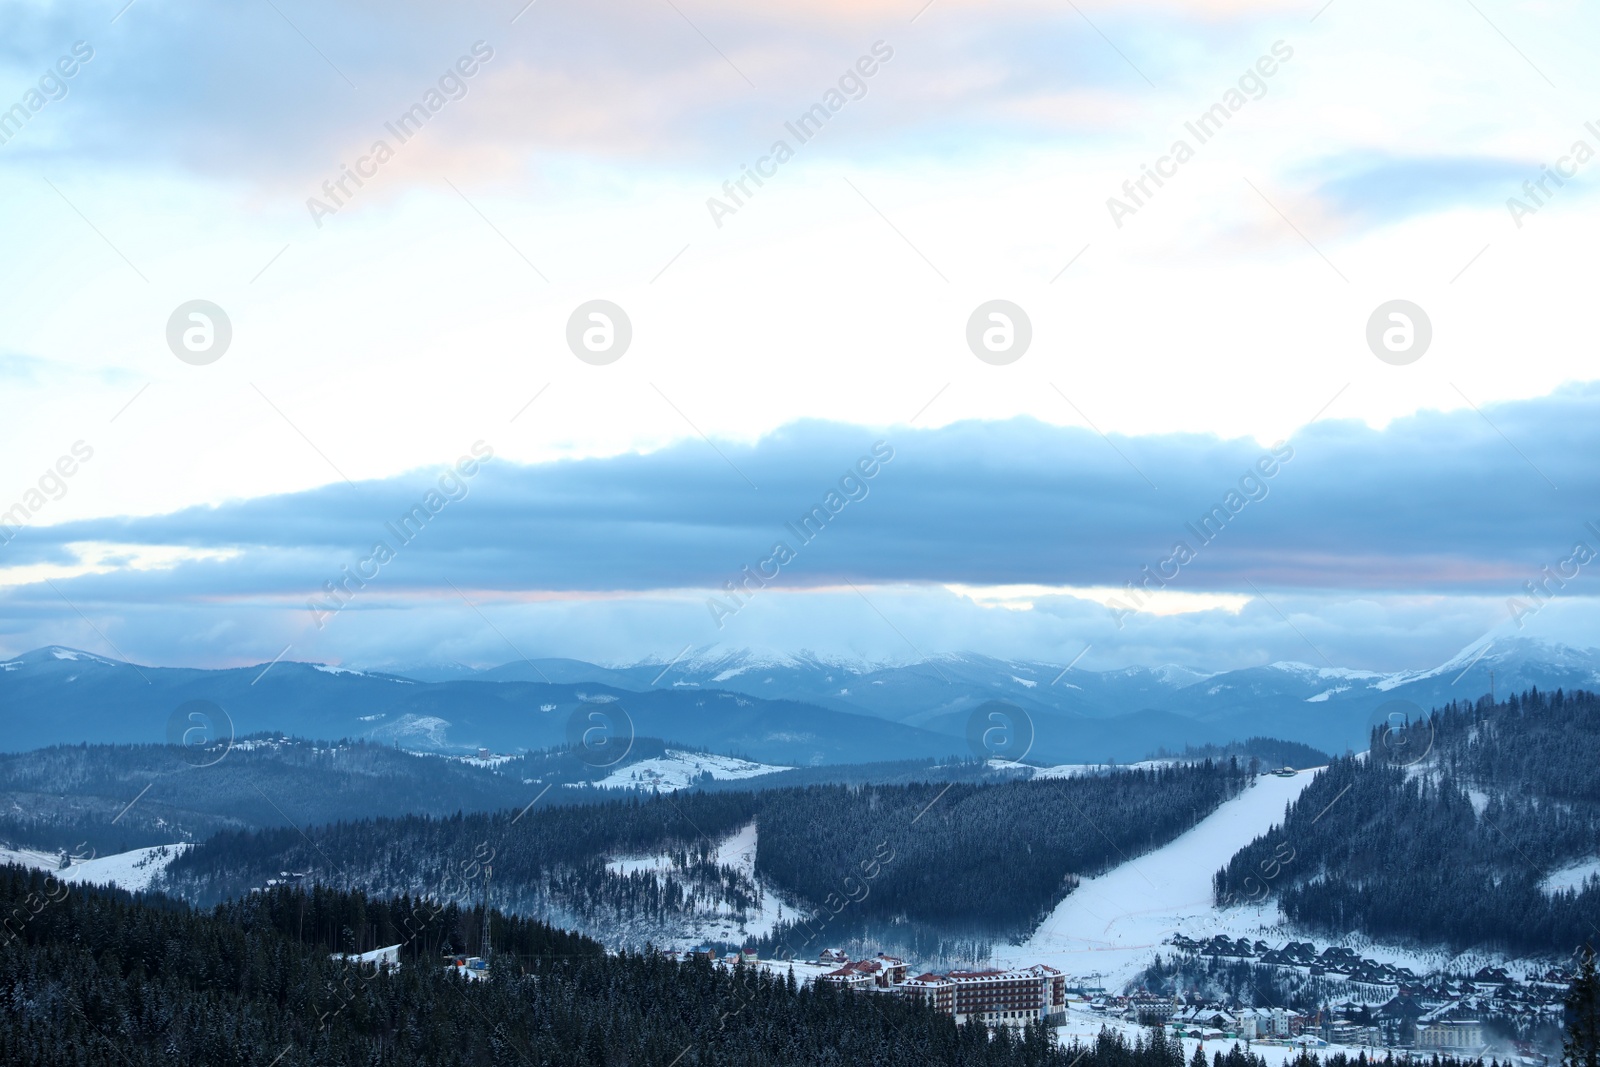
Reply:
x=1174, y=884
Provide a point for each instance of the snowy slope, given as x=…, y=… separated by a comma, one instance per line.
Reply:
x=676, y=770
x=389, y=954
x=1078, y=770
x=44, y=861
x=1110, y=927
x=738, y=851
x=1112, y=924
x=1572, y=877
x=133, y=871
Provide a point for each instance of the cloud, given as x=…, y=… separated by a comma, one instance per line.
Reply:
x=282, y=94
x=1373, y=548
x=1435, y=504
x=17, y=369
x=1386, y=189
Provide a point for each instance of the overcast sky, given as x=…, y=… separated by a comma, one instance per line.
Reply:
x=1354, y=154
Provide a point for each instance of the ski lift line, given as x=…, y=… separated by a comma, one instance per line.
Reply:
x=531, y=803
x=1331, y=803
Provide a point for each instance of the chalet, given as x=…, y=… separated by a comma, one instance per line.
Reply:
x=1397, y=1020
x=1491, y=979
x=862, y=974
x=1148, y=1007
x=894, y=968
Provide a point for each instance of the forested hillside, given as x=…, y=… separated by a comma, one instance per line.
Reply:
x=1446, y=834
x=1268, y=752
x=116, y=797
x=112, y=798
x=94, y=978
x=544, y=861
x=985, y=858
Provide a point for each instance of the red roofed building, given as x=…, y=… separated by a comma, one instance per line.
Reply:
x=862, y=974
x=933, y=989
x=894, y=968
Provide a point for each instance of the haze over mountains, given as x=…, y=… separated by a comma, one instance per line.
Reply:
x=790, y=709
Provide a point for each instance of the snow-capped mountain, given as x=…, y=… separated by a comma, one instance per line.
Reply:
x=1081, y=713
x=789, y=708
x=61, y=696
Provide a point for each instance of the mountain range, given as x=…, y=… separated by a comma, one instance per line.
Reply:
x=782, y=708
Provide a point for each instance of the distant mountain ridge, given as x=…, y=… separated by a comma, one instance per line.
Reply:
x=794, y=709
x=1326, y=706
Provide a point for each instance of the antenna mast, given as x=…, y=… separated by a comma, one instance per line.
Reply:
x=483, y=947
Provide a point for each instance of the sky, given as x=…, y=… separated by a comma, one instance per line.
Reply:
x=394, y=223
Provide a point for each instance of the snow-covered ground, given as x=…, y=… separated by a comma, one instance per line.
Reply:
x=1570, y=877
x=489, y=762
x=389, y=954
x=44, y=861
x=133, y=871
x=1075, y=770
x=677, y=769
x=1112, y=924
x=738, y=851
x=805, y=971
x=1084, y=1024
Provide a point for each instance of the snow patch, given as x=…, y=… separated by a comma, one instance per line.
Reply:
x=738, y=851
x=677, y=770
x=389, y=955
x=326, y=669
x=1027, y=682
x=133, y=871
x=1079, y=770
x=1571, y=877
x=430, y=727
x=1295, y=667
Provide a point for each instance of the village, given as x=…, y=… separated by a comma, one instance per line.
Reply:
x=1341, y=1000
x=1366, y=1003
x=1369, y=1006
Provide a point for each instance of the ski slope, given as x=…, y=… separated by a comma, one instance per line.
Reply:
x=1112, y=924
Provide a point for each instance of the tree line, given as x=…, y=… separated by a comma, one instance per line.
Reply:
x=1446, y=832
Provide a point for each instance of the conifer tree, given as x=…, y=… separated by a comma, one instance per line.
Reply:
x=1582, y=1010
